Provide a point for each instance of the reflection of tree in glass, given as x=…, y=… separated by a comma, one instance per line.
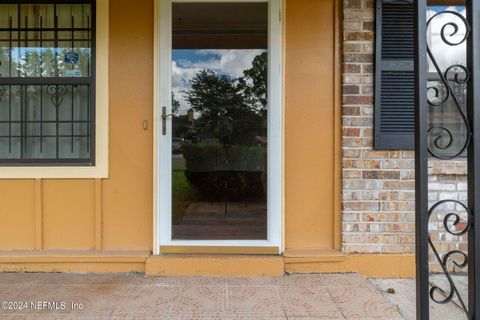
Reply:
x=253, y=84
x=43, y=62
x=231, y=110
x=175, y=104
x=3, y=62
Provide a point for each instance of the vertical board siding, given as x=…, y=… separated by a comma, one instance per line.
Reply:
x=68, y=214
x=17, y=214
x=38, y=215
x=71, y=215
x=98, y=214
x=113, y=213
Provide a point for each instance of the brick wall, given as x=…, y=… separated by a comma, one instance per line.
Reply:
x=447, y=180
x=378, y=186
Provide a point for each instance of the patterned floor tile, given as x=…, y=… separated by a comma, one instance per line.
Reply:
x=377, y=318
x=117, y=279
x=138, y=316
x=13, y=293
x=84, y=296
x=253, y=281
x=212, y=316
x=198, y=300
x=253, y=317
x=151, y=299
x=203, y=281
x=302, y=280
x=362, y=302
x=331, y=280
x=20, y=278
x=133, y=296
x=308, y=302
x=52, y=317
x=315, y=318
x=87, y=280
x=104, y=301
x=254, y=301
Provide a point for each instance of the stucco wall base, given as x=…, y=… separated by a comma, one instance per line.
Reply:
x=73, y=261
x=214, y=265
x=370, y=265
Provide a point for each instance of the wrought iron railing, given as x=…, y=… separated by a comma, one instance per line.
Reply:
x=442, y=146
x=437, y=140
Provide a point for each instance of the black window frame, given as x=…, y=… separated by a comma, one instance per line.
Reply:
x=61, y=81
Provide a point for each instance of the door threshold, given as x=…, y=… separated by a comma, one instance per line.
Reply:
x=220, y=250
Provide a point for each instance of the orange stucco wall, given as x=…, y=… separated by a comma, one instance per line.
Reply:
x=61, y=214
x=128, y=202
x=309, y=124
x=116, y=213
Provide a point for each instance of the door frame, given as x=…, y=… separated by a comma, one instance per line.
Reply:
x=162, y=218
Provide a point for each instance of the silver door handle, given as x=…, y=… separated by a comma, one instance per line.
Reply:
x=164, y=120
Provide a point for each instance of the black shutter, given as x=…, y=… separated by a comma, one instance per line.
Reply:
x=394, y=75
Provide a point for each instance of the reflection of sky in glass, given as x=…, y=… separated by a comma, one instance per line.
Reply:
x=446, y=115
x=445, y=54
x=187, y=63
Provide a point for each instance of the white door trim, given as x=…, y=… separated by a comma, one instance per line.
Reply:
x=162, y=165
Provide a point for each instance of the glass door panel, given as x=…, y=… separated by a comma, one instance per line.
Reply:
x=219, y=121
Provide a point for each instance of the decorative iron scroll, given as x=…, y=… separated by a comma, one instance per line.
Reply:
x=3, y=92
x=57, y=92
x=454, y=75
x=457, y=257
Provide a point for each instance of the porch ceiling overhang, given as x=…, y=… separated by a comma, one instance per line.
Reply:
x=220, y=25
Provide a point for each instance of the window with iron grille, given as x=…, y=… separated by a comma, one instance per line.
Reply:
x=47, y=82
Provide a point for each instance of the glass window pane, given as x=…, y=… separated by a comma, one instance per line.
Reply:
x=50, y=40
x=45, y=122
x=46, y=114
x=448, y=132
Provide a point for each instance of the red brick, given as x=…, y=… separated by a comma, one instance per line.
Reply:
x=358, y=57
x=352, y=47
x=358, y=36
x=351, y=89
x=352, y=68
x=351, y=111
x=357, y=100
x=368, y=4
x=351, y=132
x=368, y=25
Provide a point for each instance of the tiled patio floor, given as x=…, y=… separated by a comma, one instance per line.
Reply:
x=132, y=296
